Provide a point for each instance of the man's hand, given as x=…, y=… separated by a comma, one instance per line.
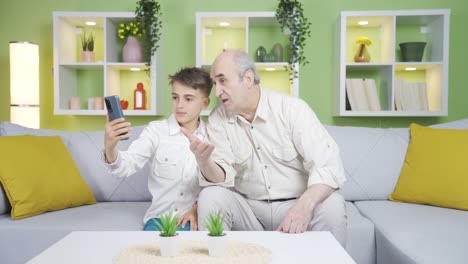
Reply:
x=189, y=216
x=297, y=219
x=111, y=136
x=202, y=150
x=299, y=216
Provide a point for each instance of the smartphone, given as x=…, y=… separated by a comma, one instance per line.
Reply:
x=114, y=109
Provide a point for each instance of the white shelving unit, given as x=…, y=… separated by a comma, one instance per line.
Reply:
x=108, y=75
x=247, y=31
x=387, y=29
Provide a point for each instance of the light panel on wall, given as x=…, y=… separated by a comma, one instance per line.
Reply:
x=24, y=84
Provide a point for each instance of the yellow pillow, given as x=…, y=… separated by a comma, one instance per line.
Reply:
x=39, y=175
x=435, y=171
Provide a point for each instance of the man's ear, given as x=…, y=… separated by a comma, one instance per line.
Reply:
x=249, y=78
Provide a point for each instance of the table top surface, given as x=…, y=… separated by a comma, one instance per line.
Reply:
x=101, y=246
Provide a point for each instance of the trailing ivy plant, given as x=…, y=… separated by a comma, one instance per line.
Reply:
x=148, y=13
x=290, y=16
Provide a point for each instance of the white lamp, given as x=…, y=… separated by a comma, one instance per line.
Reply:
x=24, y=84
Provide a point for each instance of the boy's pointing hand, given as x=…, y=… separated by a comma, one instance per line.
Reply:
x=202, y=150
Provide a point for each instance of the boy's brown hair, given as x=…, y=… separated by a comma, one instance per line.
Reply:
x=194, y=77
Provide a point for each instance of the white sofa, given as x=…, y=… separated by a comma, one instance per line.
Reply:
x=379, y=231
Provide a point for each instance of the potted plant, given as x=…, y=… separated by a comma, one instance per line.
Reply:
x=168, y=234
x=87, y=44
x=290, y=16
x=148, y=13
x=216, y=235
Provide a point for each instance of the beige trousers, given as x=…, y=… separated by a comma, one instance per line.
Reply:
x=241, y=213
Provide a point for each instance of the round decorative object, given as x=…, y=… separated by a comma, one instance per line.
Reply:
x=362, y=54
x=412, y=51
x=277, y=51
x=132, y=51
x=269, y=57
x=260, y=54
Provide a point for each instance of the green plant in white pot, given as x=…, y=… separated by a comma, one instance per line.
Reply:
x=168, y=234
x=216, y=235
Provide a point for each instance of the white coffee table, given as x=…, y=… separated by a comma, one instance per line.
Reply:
x=102, y=246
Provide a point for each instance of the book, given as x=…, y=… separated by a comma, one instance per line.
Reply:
x=362, y=95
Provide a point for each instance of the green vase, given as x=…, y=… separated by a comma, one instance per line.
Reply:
x=277, y=51
x=260, y=54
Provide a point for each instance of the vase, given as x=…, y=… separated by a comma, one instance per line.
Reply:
x=132, y=51
x=362, y=54
x=412, y=51
x=260, y=54
x=277, y=51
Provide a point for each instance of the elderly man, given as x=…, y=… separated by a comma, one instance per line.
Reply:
x=284, y=166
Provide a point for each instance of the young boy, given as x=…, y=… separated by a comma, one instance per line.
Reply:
x=173, y=182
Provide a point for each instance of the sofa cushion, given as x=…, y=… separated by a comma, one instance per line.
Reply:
x=373, y=158
x=360, y=236
x=23, y=239
x=4, y=203
x=413, y=233
x=435, y=169
x=10, y=129
x=39, y=175
x=365, y=152
x=86, y=150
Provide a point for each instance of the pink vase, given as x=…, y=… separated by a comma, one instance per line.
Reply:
x=132, y=51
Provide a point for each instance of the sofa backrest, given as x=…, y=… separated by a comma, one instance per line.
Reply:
x=86, y=150
x=373, y=158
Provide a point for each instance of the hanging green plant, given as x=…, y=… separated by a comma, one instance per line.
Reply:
x=148, y=13
x=290, y=16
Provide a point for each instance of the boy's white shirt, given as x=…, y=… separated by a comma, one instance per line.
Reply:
x=173, y=182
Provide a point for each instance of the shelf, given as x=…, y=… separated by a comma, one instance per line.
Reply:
x=426, y=78
x=86, y=81
x=246, y=31
x=391, y=113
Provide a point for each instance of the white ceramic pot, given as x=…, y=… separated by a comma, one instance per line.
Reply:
x=168, y=245
x=217, y=245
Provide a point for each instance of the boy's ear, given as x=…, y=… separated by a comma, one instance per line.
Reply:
x=206, y=102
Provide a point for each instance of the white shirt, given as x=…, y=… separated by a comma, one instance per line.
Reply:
x=279, y=155
x=173, y=182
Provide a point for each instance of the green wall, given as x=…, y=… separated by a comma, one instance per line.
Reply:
x=32, y=20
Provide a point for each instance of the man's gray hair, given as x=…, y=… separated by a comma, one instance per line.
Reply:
x=244, y=63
